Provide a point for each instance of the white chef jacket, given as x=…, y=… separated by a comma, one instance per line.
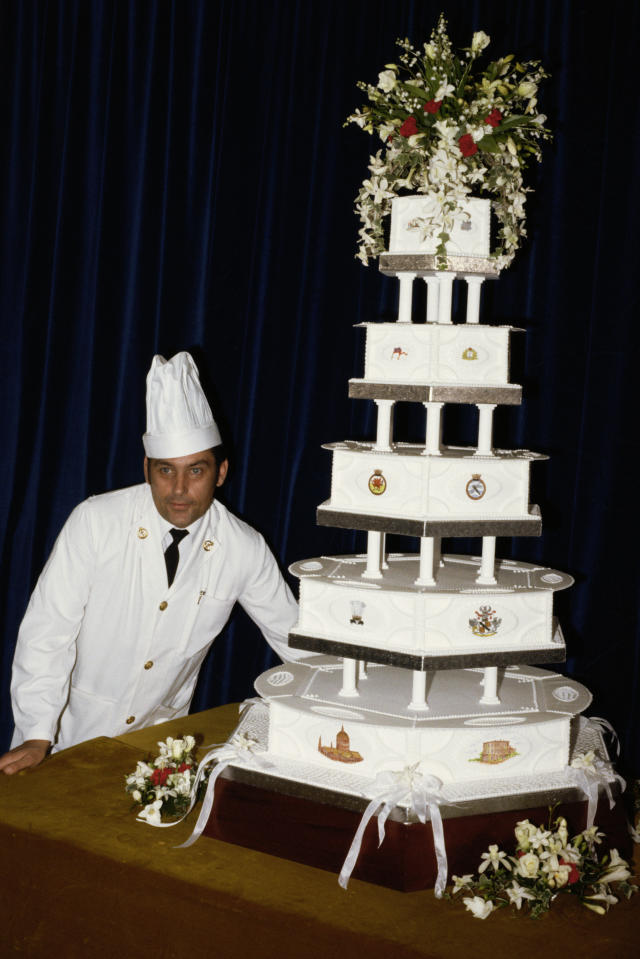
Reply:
x=106, y=646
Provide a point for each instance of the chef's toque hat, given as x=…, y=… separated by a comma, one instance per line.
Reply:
x=179, y=418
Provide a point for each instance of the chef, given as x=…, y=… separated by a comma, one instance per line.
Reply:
x=138, y=585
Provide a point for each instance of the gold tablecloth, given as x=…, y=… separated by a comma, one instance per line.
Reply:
x=80, y=878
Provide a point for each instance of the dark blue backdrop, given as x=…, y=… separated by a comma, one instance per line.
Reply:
x=175, y=175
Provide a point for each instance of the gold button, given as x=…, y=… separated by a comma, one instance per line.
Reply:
x=148, y=664
x=163, y=605
x=130, y=720
x=208, y=544
x=142, y=533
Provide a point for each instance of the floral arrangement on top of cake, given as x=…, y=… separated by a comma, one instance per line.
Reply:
x=450, y=129
x=546, y=863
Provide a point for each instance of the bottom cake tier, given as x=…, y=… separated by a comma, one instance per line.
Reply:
x=457, y=739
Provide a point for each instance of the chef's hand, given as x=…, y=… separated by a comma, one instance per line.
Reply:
x=30, y=753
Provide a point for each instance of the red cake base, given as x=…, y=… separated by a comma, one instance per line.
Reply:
x=319, y=834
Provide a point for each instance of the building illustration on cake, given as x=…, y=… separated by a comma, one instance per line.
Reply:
x=421, y=651
x=496, y=751
x=342, y=751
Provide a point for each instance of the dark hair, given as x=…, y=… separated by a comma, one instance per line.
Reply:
x=219, y=453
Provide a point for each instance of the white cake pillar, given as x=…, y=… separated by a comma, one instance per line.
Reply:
x=474, y=288
x=349, y=679
x=383, y=551
x=426, y=575
x=445, y=281
x=384, y=435
x=374, y=556
x=433, y=439
x=418, y=691
x=362, y=670
x=490, y=683
x=406, y=290
x=433, y=297
x=485, y=429
x=487, y=574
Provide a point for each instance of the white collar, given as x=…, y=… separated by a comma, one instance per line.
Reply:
x=192, y=529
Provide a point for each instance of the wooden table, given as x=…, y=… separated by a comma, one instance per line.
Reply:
x=82, y=878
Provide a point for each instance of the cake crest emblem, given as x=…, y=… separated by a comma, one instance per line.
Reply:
x=485, y=623
x=476, y=487
x=377, y=483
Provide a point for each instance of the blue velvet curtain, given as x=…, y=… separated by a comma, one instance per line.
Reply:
x=175, y=175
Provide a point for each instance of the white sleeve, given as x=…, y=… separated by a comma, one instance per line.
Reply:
x=45, y=652
x=269, y=602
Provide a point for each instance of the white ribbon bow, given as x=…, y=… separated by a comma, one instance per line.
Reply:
x=589, y=773
x=419, y=792
x=241, y=747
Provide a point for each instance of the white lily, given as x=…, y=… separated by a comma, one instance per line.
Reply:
x=617, y=870
x=517, y=894
x=593, y=835
x=540, y=839
x=494, y=857
x=459, y=882
x=444, y=90
x=607, y=897
x=584, y=760
x=151, y=813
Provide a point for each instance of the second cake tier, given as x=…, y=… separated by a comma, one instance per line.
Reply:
x=456, y=622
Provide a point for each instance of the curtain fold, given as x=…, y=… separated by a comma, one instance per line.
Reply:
x=175, y=175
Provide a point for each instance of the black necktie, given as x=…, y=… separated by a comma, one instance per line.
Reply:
x=172, y=554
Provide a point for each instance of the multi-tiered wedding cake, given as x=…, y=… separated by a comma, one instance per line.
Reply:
x=423, y=658
x=430, y=650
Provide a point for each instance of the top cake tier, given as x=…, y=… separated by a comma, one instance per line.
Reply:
x=470, y=236
x=411, y=255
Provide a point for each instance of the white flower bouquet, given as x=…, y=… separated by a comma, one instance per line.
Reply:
x=450, y=129
x=163, y=786
x=546, y=863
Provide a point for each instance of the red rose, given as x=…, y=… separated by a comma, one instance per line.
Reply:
x=432, y=106
x=467, y=145
x=160, y=776
x=494, y=119
x=183, y=767
x=408, y=128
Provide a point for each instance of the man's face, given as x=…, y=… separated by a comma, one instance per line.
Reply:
x=183, y=487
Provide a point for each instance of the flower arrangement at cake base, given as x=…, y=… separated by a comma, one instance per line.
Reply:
x=546, y=864
x=163, y=787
